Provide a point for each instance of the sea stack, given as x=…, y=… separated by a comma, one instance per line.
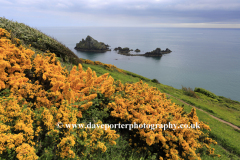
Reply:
x=91, y=45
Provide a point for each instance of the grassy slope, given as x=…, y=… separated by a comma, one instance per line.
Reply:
x=226, y=109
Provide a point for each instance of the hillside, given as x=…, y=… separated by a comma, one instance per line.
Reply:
x=38, y=40
x=31, y=109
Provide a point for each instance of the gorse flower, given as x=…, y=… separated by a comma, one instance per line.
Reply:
x=107, y=66
x=26, y=152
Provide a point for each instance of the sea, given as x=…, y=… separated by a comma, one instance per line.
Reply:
x=205, y=58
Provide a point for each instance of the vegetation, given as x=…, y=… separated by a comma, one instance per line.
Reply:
x=226, y=136
x=188, y=91
x=39, y=90
x=155, y=81
x=205, y=92
x=38, y=40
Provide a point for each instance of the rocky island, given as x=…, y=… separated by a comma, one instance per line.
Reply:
x=121, y=50
x=155, y=53
x=137, y=50
x=91, y=45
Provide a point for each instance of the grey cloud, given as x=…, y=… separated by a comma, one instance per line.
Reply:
x=151, y=11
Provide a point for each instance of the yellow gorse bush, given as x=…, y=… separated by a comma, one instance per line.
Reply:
x=42, y=93
x=25, y=151
x=107, y=66
x=91, y=138
x=39, y=94
x=143, y=104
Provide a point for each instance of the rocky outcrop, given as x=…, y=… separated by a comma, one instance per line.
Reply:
x=90, y=44
x=137, y=50
x=157, y=52
x=118, y=48
x=166, y=51
x=123, y=51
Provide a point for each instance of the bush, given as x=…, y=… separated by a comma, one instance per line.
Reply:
x=155, y=81
x=138, y=103
x=98, y=63
x=227, y=100
x=40, y=95
x=205, y=92
x=188, y=91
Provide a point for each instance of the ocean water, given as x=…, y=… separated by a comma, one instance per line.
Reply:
x=206, y=58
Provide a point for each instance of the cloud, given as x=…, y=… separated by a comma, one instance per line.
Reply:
x=208, y=5
x=5, y=2
x=195, y=25
x=123, y=12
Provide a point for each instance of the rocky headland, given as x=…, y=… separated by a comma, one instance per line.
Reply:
x=92, y=45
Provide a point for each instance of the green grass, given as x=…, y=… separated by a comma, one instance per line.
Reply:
x=227, y=111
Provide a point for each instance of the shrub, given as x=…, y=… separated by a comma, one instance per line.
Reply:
x=138, y=103
x=155, y=81
x=227, y=100
x=87, y=61
x=205, y=92
x=98, y=63
x=188, y=91
x=42, y=94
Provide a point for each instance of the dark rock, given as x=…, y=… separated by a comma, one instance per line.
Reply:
x=166, y=51
x=156, y=52
x=118, y=48
x=90, y=44
x=124, y=50
x=137, y=50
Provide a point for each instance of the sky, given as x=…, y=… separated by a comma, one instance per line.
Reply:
x=123, y=13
